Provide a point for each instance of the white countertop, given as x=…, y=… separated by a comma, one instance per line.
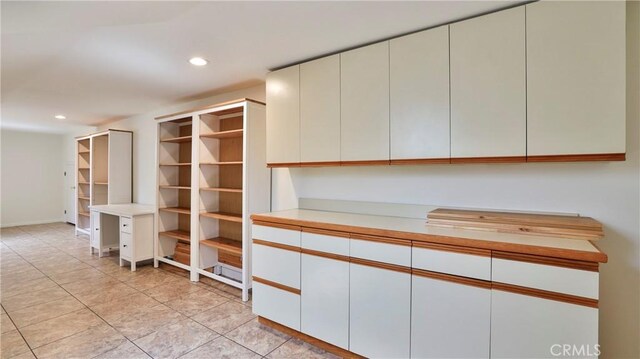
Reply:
x=129, y=209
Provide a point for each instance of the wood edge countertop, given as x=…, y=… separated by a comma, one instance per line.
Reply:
x=416, y=230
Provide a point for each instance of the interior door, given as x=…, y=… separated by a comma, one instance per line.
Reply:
x=69, y=193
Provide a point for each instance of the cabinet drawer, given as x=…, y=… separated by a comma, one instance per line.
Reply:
x=380, y=249
x=583, y=283
x=276, y=304
x=476, y=264
x=289, y=237
x=326, y=242
x=125, y=245
x=277, y=265
x=126, y=224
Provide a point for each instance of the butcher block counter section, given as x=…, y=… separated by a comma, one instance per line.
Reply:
x=416, y=230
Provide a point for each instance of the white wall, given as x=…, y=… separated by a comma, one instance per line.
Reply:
x=144, y=129
x=609, y=192
x=32, y=178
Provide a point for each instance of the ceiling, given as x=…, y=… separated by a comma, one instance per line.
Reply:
x=98, y=61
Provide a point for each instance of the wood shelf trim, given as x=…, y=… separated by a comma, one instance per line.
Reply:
x=226, y=163
x=224, y=244
x=180, y=210
x=579, y=157
x=558, y=262
x=276, y=285
x=421, y=161
x=279, y=165
x=452, y=278
x=224, y=134
x=363, y=237
x=320, y=164
x=539, y=293
x=309, y=339
x=276, y=245
x=277, y=225
x=498, y=159
x=176, y=164
x=84, y=198
x=325, y=232
x=83, y=168
x=455, y=249
x=175, y=187
x=180, y=139
x=99, y=183
x=231, y=217
x=84, y=214
x=84, y=152
x=221, y=189
x=579, y=255
x=184, y=236
x=82, y=182
x=334, y=256
x=375, y=264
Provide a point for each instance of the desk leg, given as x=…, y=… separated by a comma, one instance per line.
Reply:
x=133, y=266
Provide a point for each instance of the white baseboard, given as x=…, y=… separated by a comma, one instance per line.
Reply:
x=29, y=223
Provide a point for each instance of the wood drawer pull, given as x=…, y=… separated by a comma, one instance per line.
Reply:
x=276, y=285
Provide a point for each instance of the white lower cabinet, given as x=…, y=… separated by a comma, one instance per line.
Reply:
x=449, y=320
x=95, y=229
x=525, y=326
x=278, y=305
x=325, y=299
x=380, y=312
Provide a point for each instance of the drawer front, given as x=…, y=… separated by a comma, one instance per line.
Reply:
x=465, y=265
x=276, y=235
x=126, y=224
x=276, y=304
x=381, y=252
x=577, y=282
x=126, y=250
x=325, y=243
x=277, y=265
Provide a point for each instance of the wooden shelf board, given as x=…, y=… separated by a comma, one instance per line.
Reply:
x=231, y=217
x=83, y=214
x=177, y=139
x=178, y=234
x=224, y=134
x=79, y=182
x=83, y=168
x=224, y=244
x=180, y=210
x=84, y=198
x=175, y=187
x=222, y=163
x=220, y=189
x=101, y=183
x=176, y=164
x=83, y=152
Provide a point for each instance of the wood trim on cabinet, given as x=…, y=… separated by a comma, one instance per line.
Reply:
x=421, y=161
x=578, y=157
x=325, y=232
x=320, y=164
x=362, y=237
x=276, y=285
x=286, y=247
x=452, y=278
x=343, y=353
x=338, y=257
x=503, y=159
x=558, y=262
x=277, y=225
x=455, y=249
x=365, y=163
x=370, y=263
x=560, y=297
x=278, y=165
x=571, y=254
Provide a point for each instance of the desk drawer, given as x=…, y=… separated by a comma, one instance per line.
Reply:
x=278, y=265
x=472, y=263
x=289, y=237
x=126, y=250
x=380, y=249
x=125, y=224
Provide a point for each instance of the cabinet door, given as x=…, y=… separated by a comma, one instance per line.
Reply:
x=530, y=327
x=364, y=107
x=575, y=77
x=320, y=110
x=488, y=85
x=449, y=320
x=325, y=299
x=419, y=93
x=380, y=302
x=283, y=115
x=95, y=229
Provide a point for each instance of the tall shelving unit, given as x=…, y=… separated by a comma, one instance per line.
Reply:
x=212, y=176
x=103, y=172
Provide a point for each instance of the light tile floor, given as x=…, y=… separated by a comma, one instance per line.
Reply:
x=58, y=301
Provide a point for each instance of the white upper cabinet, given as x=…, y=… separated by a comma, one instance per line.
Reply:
x=575, y=77
x=419, y=89
x=320, y=110
x=365, y=103
x=488, y=85
x=283, y=115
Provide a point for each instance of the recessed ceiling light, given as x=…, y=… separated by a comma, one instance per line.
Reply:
x=61, y=117
x=198, y=61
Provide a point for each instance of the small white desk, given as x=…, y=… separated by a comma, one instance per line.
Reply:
x=128, y=227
